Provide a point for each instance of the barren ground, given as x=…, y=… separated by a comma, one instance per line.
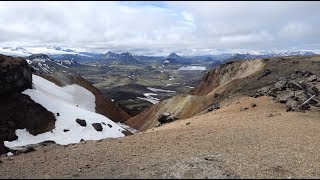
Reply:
x=226, y=143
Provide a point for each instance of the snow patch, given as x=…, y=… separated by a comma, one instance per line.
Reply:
x=159, y=90
x=192, y=68
x=71, y=102
x=148, y=97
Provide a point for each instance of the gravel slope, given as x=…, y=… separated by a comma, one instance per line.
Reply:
x=226, y=143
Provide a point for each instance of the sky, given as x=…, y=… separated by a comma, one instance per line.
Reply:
x=158, y=28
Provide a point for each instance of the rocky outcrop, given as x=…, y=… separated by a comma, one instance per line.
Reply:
x=166, y=118
x=295, y=90
x=104, y=105
x=15, y=74
x=19, y=111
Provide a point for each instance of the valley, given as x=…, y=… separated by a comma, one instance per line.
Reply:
x=237, y=119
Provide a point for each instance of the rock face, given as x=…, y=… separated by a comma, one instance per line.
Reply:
x=19, y=111
x=15, y=74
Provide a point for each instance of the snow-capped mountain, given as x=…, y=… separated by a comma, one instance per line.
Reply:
x=268, y=54
x=43, y=63
x=123, y=58
x=27, y=51
x=111, y=55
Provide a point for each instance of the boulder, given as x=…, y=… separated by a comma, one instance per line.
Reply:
x=280, y=85
x=300, y=96
x=15, y=75
x=97, y=126
x=283, y=97
x=292, y=104
x=214, y=106
x=272, y=92
x=261, y=92
x=81, y=122
x=313, y=78
x=162, y=117
x=294, y=85
x=166, y=118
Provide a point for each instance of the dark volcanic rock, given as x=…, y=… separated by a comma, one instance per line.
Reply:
x=3, y=149
x=81, y=122
x=19, y=111
x=12, y=136
x=265, y=73
x=166, y=118
x=97, y=126
x=15, y=75
x=11, y=124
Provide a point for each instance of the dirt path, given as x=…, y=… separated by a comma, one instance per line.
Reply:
x=225, y=143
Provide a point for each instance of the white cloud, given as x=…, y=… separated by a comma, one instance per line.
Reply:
x=161, y=26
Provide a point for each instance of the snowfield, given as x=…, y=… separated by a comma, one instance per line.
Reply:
x=159, y=90
x=148, y=97
x=71, y=102
x=192, y=68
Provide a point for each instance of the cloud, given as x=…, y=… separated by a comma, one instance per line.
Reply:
x=161, y=27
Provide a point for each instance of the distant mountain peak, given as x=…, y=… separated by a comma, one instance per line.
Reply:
x=173, y=56
x=39, y=56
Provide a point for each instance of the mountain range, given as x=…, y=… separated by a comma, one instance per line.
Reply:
x=59, y=53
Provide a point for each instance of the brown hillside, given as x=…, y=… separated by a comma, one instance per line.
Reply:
x=225, y=81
